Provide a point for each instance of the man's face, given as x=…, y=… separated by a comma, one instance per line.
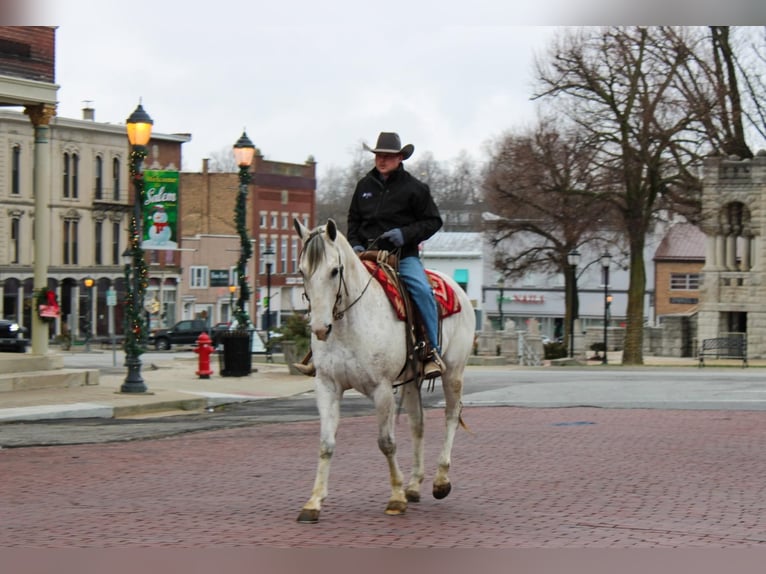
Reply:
x=387, y=162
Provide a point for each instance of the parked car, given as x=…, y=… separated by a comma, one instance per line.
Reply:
x=13, y=337
x=184, y=332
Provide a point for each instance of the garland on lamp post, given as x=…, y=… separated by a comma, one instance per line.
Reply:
x=135, y=326
x=245, y=248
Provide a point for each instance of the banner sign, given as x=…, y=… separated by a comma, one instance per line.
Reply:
x=219, y=277
x=160, y=210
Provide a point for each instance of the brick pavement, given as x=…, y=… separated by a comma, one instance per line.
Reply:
x=542, y=478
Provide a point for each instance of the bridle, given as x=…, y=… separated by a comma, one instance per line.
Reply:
x=337, y=313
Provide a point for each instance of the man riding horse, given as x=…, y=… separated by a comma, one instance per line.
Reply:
x=394, y=211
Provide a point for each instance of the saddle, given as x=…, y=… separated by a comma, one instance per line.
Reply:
x=384, y=266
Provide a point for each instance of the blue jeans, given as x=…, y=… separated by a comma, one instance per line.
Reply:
x=415, y=280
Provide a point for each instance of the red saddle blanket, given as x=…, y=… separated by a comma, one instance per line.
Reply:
x=446, y=301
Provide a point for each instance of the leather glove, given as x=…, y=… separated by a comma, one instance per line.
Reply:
x=395, y=236
x=358, y=249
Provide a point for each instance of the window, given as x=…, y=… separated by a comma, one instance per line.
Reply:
x=198, y=277
x=285, y=221
x=116, y=179
x=15, y=239
x=262, y=220
x=99, y=183
x=274, y=222
x=283, y=255
x=70, y=242
x=75, y=175
x=16, y=170
x=684, y=281
x=294, y=257
x=98, y=242
x=65, y=183
x=116, y=251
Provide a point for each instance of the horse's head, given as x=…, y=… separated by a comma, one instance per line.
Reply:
x=321, y=266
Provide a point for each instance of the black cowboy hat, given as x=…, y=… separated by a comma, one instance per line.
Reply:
x=389, y=142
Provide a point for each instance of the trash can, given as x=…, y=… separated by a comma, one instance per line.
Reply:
x=235, y=359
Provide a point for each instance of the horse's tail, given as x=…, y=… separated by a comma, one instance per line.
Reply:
x=462, y=422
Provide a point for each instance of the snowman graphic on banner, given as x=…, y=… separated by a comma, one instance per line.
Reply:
x=160, y=205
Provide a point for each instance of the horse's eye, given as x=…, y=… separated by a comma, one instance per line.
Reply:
x=334, y=273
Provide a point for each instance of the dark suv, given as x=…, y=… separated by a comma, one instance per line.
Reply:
x=13, y=337
x=182, y=333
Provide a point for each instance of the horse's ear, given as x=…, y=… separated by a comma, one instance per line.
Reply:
x=300, y=228
x=331, y=229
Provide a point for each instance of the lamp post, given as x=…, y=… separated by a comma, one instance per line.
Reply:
x=606, y=260
x=88, y=282
x=573, y=258
x=244, y=150
x=139, y=128
x=232, y=290
x=501, y=288
x=268, y=259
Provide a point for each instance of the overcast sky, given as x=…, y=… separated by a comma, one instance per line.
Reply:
x=307, y=77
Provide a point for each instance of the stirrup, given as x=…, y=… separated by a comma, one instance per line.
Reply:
x=434, y=366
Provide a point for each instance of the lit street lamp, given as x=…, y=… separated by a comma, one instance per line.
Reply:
x=139, y=128
x=244, y=150
x=268, y=260
x=88, y=282
x=606, y=260
x=573, y=258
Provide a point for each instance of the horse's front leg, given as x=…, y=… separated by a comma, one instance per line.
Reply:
x=328, y=404
x=385, y=407
x=452, y=384
x=414, y=407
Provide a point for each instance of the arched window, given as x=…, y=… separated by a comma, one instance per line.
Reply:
x=65, y=188
x=116, y=179
x=99, y=182
x=16, y=170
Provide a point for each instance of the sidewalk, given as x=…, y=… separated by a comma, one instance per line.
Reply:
x=172, y=388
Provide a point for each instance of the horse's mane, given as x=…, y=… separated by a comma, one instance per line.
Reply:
x=314, y=249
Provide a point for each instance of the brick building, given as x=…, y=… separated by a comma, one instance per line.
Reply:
x=678, y=263
x=278, y=192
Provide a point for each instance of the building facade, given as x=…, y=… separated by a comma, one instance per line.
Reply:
x=85, y=220
x=278, y=193
x=734, y=275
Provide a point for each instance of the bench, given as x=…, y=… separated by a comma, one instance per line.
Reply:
x=732, y=347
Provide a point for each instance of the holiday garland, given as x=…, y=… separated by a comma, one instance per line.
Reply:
x=246, y=248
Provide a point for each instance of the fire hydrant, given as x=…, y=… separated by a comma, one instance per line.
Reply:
x=204, y=349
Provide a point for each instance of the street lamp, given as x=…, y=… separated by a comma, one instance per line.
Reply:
x=88, y=282
x=573, y=258
x=268, y=259
x=606, y=260
x=244, y=151
x=232, y=290
x=501, y=287
x=139, y=128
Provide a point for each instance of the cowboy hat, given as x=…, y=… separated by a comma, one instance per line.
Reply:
x=389, y=142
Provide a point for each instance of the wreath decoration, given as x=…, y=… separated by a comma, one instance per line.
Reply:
x=47, y=306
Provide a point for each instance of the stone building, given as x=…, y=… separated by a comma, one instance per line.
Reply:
x=734, y=276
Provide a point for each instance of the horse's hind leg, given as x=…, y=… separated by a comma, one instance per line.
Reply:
x=414, y=407
x=452, y=384
x=385, y=408
x=328, y=404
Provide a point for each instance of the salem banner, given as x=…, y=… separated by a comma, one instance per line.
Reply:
x=160, y=210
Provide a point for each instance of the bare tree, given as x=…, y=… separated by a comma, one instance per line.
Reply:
x=223, y=161
x=544, y=192
x=336, y=186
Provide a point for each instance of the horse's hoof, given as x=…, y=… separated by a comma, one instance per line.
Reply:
x=308, y=516
x=442, y=490
x=412, y=496
x=396, y=507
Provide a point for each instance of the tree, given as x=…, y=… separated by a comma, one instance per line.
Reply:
x=223, y=161
x=543, y=190
x=655, y=101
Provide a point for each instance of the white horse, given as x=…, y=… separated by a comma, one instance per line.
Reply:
x=359, y=343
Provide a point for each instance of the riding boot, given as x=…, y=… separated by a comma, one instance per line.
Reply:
x=306, y=366
x=434, y=366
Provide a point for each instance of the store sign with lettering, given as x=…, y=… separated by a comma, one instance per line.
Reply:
x=529, y=299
